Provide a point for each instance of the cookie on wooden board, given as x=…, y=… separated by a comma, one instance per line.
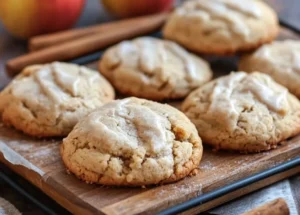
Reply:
x=132, y=142
x=222, y=27
x=280, y=60
x=243, y=112
x=48, y=100
x=153, y=69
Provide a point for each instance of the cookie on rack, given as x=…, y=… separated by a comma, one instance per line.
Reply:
x=222, y=27
x=133, y=142
x=153, y=69
x=280, y=60
x=48, y=100
x=243, y=112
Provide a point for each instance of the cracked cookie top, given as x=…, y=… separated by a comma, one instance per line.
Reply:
x=222, y=26
x=48, y=100
x=244, y=112
x=154, y=69
x=280, y=60
x=132, y=142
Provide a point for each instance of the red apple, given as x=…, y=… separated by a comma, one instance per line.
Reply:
x=129, y=8
x=26, y=18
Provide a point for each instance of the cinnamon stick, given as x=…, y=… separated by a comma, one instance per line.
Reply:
x=87, y=44
x=275, y=207
x=43, y=41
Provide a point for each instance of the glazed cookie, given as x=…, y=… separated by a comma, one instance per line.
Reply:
x=280, y=60
x=243, y=112
x=132, y=142
x=154, y=69
x=48, y=100
x=222, y=27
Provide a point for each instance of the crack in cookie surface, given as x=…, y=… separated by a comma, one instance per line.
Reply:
x=151, y=143
x=222, y=26
x=235, y=113
x=141, y=66
x=51, y=98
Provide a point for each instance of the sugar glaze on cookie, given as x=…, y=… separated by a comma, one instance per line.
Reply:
x=243, y=112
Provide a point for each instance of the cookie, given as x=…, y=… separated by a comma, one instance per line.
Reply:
x=243, y=112
x=153, y=69
x=132, y=142
x=48, y=100
x=222, y=27
x=280, y=60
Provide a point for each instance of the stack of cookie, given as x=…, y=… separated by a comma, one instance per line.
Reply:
x=135, y=141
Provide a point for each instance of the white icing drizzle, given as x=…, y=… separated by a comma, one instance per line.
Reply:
x=149, y=58
x=45, y=80
x=222, y=105
x=96, y=128
x=189, y=64
x=245, y=6
x=21, y=86
x=263, y=52
x=66, y=79
x=147, y=126
x=296, y=59
x=228, y=93
x=147, y=123
x=285, y=54
x=162, y=53
x=125, y=48
x=220, y=9
x=60, y=81
x=276, y=101
x=92, y=76
x=152, y=53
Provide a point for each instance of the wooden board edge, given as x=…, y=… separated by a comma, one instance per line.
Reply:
x=243, y=191
x=163, y=204
x=38, y=181
x=76, y=209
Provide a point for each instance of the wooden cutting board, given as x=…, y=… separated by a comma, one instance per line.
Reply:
x=38, y=160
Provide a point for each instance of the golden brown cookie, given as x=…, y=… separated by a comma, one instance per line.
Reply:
x=222, y=27
x=280, y=60
x=154, y=69
x=48, y=100
x=132, y=142
x=243, y=112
